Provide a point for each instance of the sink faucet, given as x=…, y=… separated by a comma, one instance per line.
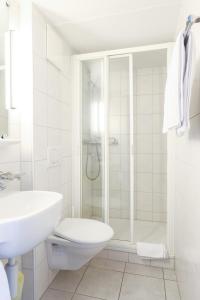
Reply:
x=7, y=176
x=2, y=186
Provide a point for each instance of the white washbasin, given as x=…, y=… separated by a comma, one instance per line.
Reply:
x=26, y=219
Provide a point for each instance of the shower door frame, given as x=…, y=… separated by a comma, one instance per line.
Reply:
x=131, y=145
x=77, y=139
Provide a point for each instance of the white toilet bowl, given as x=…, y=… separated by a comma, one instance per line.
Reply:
x=75, y=242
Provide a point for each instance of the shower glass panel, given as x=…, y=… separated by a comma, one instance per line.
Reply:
x=124, y=153
x=150, y=147
x=119, y=147
x=92, y=132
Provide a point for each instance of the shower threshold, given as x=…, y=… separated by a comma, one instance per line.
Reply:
x=144, y=231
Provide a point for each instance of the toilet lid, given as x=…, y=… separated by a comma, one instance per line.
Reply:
x=85, y=231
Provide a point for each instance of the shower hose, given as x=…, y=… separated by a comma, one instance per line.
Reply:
x=92, y=178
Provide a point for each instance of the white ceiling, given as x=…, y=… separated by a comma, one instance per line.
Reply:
x=93, y=25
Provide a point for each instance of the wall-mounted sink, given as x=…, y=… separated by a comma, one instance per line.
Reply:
x=26, y=219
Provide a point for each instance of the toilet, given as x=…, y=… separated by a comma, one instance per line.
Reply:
x=75, y=241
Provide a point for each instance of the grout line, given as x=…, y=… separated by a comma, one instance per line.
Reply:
x=164, y=284
x=121, y=285
x=80, y=280
x=143, y=275
x=60, y=289
x=102, y=268
x=88, y=296
x=179, y=291
x=55, y=289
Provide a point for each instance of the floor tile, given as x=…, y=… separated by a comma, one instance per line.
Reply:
x=108, y=264
x=169, y=274
x=101, y=283
x=103, y=254
x=172, y=292
x=134, y=258
x=142, y=288
x=118, y=255
x=68, y=280
x=138, y=269
x=163, y=263
x=82, y=297
x=51, y=294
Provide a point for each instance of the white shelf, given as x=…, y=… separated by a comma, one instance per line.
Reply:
x=5, y=142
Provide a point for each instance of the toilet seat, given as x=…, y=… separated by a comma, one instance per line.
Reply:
x=84, y=231
x=76, y=241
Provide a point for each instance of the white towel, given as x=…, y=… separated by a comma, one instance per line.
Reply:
x=149, y=250
x=4, y=288
x=178, y=86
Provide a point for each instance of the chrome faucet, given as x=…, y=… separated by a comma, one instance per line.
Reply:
x=7, y=176
x=2, y=186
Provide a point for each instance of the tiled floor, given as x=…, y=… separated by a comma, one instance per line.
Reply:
x=113, y=280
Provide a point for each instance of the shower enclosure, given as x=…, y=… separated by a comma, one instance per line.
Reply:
x=120, y=153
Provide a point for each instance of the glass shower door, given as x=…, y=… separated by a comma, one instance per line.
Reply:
x=92, y=146
x=119, y=109
x=107, y=138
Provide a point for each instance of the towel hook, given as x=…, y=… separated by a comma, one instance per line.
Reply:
x=191, y=19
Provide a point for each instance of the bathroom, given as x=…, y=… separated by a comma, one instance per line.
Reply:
x=99, y=199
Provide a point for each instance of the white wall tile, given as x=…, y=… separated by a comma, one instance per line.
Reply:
x=40, y=144
x=53, y=113
x=52, y=119
x=144, y=143
x=158, y=103
x=28, y=290
x=144, y=201
x=28, y=260
x=53, y=82
x=40, y=175
x=124, y=106
x=40, y=253
x=115, y=162
x=114, y=126
x=26, y=179
x=54, y=178
x=157, y=123
x=144, y=163
x=144, y=104
x=65, y=89
x=124, y=143
x=144, y=84
x=144, y=124
x=39, y=34
x=39, y=74
x=124, y=125
x=114, y=107
x=40, y=107
x=42, y=277
x=150, y=144
x=144, y=182
x=144, y=215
